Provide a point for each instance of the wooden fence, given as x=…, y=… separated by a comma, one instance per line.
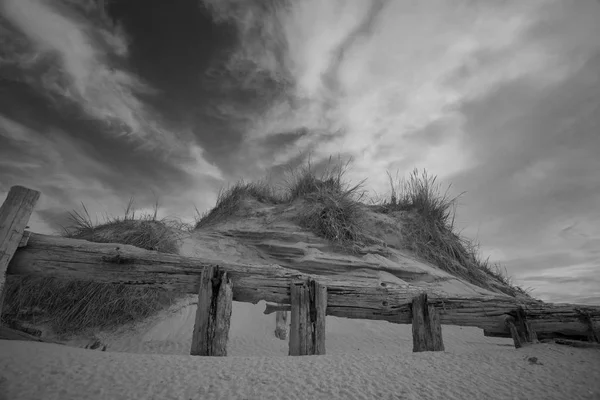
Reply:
x=309, y=298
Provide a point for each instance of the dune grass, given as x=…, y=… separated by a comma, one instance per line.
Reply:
x=229, y=201
x=429, y=231
x=332, y=209
x=72, y=306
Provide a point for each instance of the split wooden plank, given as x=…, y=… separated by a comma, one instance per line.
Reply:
x=307, y=330
x=426, y=327
x=14, y=217
x=213, y=315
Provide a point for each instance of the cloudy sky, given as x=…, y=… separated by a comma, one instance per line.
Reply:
x=102, y=100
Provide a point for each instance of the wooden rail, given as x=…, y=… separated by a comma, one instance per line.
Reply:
x=116, y=263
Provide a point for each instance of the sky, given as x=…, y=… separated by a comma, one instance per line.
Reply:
x=170, y=101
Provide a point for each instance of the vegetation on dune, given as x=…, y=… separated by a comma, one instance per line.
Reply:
x=143, y=230
x=229, y=200
x=333, y=209
x=429, y=231
x=73, y=306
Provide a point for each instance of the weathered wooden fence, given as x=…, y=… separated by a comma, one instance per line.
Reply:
x=308, y=297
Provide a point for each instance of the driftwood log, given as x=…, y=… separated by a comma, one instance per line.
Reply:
x=213, y=315
x=346, y=297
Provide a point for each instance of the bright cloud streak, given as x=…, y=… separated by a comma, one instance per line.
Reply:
x=380, y=71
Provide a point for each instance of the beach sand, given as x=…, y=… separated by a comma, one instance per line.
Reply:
x=46, y=371
x=365, y=360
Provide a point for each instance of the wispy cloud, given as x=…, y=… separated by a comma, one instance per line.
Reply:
x=74, y=54
x=382, y=72
x=82, y=57
x=499, y=98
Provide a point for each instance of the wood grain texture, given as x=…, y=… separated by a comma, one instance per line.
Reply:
x=213, y=314
x=307, y=328
x=350, y=298
x=426, y=327
x=281, y=325
x=14, y=216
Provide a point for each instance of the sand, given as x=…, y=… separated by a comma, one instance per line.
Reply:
x=48, y=371
x=365, y=360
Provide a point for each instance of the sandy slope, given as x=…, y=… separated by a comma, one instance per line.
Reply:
x=46, y=371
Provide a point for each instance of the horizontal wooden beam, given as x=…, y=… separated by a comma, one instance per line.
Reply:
x=346, y=297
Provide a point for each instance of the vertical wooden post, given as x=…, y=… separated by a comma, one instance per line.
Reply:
x=281, y=318
x=520, y=329
x=426, y=327
x=213, y=316
x=14, y=216
x=509, y=321
x=307, y=330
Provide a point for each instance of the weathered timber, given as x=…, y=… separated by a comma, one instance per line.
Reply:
x=281, y=318
x=509, y=322
x=7, y=333
x=307, y=328
x=14, y=216
x=213, y=315
x=426, y=327
x=577, y=343
x=274, y=308
x=24, y=239
x=593, y=333
x=346, y=297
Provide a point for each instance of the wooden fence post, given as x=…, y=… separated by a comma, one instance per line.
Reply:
x=307, y=330
x=426, y=327
x=14, y=216
x=281, y=318
x=520, y=329
x=213, y=316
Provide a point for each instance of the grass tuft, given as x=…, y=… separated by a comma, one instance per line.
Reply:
x=73, y=306
x=229, y=200
x=429, y=231
x=69, y=307
x=332, y=209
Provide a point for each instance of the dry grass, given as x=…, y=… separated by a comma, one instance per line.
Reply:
x=143, y=230
x=332, y=209
x=229, y=200
x=70, y=306
x=429, y=231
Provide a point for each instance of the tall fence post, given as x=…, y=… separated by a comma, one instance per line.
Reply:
x=307, y=330
x=213, y=316
x=426, y=327
x=14, y=216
